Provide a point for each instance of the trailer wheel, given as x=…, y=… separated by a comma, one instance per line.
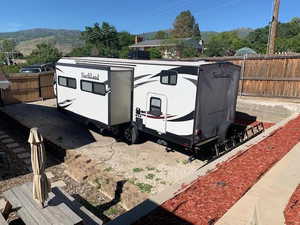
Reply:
x=131, y=134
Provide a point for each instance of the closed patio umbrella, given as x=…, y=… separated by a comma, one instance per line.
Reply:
x=41, y=185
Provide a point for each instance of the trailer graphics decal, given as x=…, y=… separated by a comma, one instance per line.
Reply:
x=66, y=103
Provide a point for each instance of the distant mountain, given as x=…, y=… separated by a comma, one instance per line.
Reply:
x=64, y=40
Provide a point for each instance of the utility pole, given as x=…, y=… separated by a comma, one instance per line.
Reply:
x=273, y=30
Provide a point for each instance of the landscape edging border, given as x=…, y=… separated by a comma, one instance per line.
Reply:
x=155, y=201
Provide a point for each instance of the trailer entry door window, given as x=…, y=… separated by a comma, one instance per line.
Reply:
x=168, y=77
x=93, y=87
x=67, y=82
x=155, y=106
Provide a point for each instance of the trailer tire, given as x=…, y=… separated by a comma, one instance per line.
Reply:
x=131, y=134
x=223, y=130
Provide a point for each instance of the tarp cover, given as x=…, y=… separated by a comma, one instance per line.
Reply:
x=216, y=97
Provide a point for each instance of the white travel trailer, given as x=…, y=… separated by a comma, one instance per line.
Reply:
x=187, y=103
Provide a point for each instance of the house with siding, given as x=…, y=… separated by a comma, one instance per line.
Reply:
x=170, y=48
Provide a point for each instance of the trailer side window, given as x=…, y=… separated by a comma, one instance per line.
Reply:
x=99, y=88
x=62, y=81
x=168, y=77
x=86, y=86
x=71, y=82
x=155, y=106
x=93, y=87
x=67, y=82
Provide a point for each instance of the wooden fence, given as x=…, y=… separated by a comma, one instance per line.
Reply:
x=28, y=88
x=268, y=76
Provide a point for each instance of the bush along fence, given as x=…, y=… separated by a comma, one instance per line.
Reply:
x=268, y=76
x=28, y=88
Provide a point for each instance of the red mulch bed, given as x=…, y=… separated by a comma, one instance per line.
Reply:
x=211, y=196
x=292, y=211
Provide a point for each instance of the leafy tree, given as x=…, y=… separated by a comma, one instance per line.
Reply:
x=44, y=53
x=189, y=52
x=161, y=35
x=185, y=26
x=125, y=39
x=7, y=45
x=104, y=38
x=124, y=52
x=155, y=53
x=223, y=44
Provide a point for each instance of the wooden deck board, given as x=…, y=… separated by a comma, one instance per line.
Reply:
x=22, y=212
x=55, y=212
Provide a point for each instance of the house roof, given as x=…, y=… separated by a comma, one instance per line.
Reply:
x=4, y=83
x=161, y=42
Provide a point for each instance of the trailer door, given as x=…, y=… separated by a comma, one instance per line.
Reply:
x=156, y=114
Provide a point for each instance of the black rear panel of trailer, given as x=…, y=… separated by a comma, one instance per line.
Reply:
x=216, y=98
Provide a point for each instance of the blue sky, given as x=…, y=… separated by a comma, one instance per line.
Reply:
x=140, y=16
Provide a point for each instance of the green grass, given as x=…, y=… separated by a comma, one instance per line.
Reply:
x=132, y=180
x=150, y=176
x=146, y=188
x=108, y=169
x=137, y=170
x=111, y=211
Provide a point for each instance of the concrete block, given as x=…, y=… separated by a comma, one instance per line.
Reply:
x=8, y=141
x=19, y=150
x=27, y=161
x=13, y=145
x=4, y=136
x=25, y=155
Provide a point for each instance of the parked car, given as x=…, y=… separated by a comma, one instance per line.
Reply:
x=37, y=68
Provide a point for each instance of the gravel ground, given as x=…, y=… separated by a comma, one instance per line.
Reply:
x=86, y=194
x=292, y=211
x=209, y=198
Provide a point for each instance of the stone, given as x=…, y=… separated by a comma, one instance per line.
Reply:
x=25, y=155
x=59, y=183
x=2, y=203
x=13, y=145
x=49, y=175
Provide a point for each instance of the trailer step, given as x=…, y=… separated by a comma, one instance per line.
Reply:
x=238, y=139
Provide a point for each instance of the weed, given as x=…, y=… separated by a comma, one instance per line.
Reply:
x=158, y=171
x=108, y=169
x=111, y=211
x=144, y=187
x=163, y=182
x=157, y=179
x=132, y=180
x=184, y=162
x=137, y=170
x=150, y=168
x=150, y=176
x=98, y=182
